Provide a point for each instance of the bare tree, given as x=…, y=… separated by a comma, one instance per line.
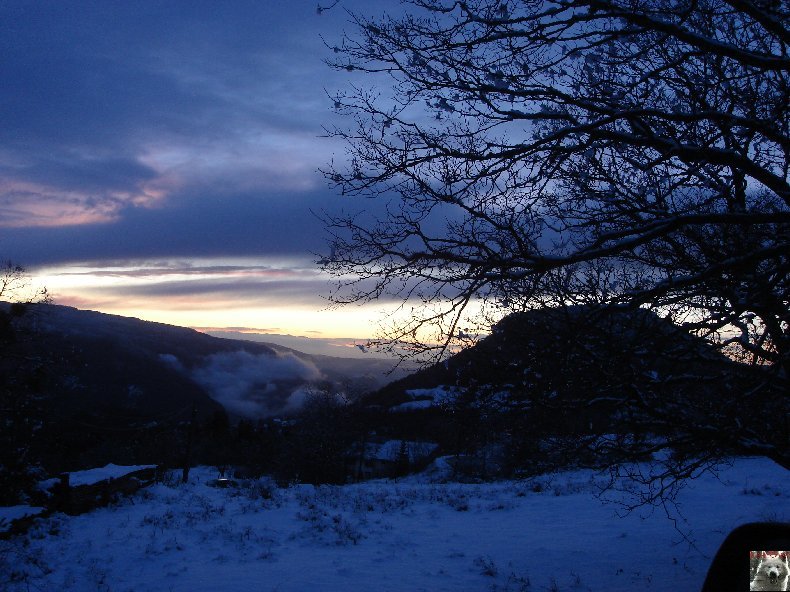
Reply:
x=15, y=285
x=315, y=448
x=21, y=382
x=555, y=151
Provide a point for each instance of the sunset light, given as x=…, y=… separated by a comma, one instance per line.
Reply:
x=394, y=296
x=285, y=296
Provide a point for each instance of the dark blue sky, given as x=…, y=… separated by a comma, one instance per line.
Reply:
x=176, y=128
x=150, y=135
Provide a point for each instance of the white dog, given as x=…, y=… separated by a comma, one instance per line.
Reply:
x=772, y=573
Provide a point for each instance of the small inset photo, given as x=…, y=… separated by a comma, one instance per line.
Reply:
x=769, y=570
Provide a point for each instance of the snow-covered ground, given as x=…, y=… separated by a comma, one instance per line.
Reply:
x=10, y=513
x=110, y=471
x=546, y=534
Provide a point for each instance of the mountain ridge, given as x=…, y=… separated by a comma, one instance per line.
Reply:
x=90, y=382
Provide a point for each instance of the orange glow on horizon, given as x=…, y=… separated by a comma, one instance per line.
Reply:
x=283, y=297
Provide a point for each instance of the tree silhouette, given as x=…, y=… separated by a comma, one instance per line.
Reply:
x=569, y=151
x=22, y=381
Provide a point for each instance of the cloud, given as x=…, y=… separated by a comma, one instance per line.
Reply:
x=104, y=74
x=164, y=131
x=197, y=225
x=199, y=285
x=260, y=291
x=309, y=343
x=119, y=113
x=256, y=385
x=173, y=362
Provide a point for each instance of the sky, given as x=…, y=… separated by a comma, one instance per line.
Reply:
x=160, y=159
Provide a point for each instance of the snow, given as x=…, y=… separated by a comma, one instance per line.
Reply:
x=111, y=471
x=412, y=405
x=391, y=450
x=437, y=395
x=10, y=513
x=546, y=533
x=47, y=484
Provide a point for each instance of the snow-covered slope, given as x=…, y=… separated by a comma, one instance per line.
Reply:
x=548, y=533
